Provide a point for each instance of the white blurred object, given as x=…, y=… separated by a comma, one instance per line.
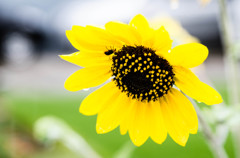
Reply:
x=174, y=4
x=18, y=50
x=52, y=129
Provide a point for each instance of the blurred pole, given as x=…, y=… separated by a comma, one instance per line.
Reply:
x=229, y=55
x=231, y=65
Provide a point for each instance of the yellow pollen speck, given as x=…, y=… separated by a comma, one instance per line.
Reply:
x=133, y=63
x=126, y=60
x=148, y=59
x=147, y=76
x=139, y=68
x=148, y=66
x=157, y=74
x=144, y=68
x=140, y=64
x=130, y=66
x=145, y=62
x=157, y=87
x=157, y=67
x=146, y=94
x=161, y=90
x=123, y=57
x=168, y=83
x=133, y=55
x=135, y=70
x=163, y=71
x=130, y=57
x=116, y=60
x=139, y=58
x=136, y=61
x=165, y=80
x=149, y=54
x=151, y=63
x=161, y=84
x=145, y=54
x=127, y=55
x=152, y=75
x=151, y=79
x=153, y=67
x=159, y=70
x=141, y=71
x=166, y=72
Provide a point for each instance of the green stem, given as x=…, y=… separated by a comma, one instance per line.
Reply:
x=212, y=140
x=231, y=64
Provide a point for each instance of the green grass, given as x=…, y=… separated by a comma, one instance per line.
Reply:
x=26, y=109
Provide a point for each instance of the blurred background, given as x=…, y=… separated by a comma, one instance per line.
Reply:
x=40, y=119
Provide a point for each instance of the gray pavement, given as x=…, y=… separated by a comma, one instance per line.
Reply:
x=50, y=72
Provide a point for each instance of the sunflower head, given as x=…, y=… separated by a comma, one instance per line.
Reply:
x=141, y=97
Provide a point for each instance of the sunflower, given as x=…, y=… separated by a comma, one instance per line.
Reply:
x=144, y=96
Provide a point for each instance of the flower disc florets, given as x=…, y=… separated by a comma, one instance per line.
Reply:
x=141, y=73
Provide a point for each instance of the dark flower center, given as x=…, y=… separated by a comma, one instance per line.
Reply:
x=141, y=73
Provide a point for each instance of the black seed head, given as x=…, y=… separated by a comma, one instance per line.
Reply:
x=141, y=73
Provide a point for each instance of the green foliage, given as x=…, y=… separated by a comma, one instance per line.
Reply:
x=25, y=110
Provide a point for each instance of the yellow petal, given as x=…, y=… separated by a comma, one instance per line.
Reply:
x=86, y=59
x=184, y=108
x=176, y=128
x=193, y=87
x=129, y=117
x=162, y=43
x=92, y=38
x=188, y=55
x=139, y=131
x=157, y=128
x=95, y=102
x=141, y=24
x=109, y=118
x=124, y=32
x=87, y=77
